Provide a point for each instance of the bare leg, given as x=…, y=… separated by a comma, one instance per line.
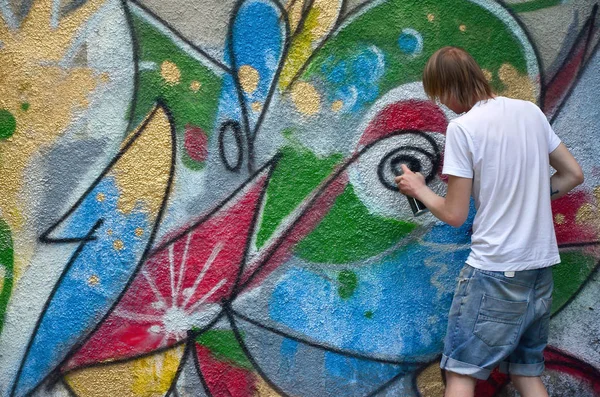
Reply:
x=529, y=386
x=458, y=385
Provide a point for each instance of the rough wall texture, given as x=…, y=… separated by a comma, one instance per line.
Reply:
x=197, y=196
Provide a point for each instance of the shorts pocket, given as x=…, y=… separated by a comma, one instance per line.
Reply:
x=499, y=321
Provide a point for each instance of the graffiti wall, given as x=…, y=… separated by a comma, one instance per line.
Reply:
x=197, y=197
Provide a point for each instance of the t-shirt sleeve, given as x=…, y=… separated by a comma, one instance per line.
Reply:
x=553, y=139
x=458, y=155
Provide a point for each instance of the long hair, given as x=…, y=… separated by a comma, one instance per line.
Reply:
x=451, y=72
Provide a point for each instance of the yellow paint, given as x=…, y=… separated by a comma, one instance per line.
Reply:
x=559, y=219
x=586, y=215
x=118, y=245
x=488, y=75
x=139, y=232
x=321, y=18
x=336, y=106
x=517, y=85
x=430, y=17
x=462, y=28
x=105, y=77
x=430, y=383
x=30, y=72
x=264, y=390
x=195, y=86
x=150, y=376
x=142, y=172
x=170, y=73
x=306, y=98
x=294, y=11
x=100, y=197
x=109, y=232
x=249, y=78
x=93, y=280
x=256, y=107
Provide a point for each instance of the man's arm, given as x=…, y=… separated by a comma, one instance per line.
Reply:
x=568, y=172
x=452, y=209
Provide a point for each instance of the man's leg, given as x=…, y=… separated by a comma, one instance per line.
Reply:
x=529, y=386
x=458, y=385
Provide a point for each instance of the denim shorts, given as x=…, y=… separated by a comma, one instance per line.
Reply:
x=498, y=321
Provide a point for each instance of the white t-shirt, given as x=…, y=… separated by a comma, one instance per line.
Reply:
x=503, y=144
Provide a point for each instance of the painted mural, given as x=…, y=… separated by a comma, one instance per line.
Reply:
x=198, y=199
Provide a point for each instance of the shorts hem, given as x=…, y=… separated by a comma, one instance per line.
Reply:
x=521, y=369
x=459, y=367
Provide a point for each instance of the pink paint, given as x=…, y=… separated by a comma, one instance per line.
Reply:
x=196, y=143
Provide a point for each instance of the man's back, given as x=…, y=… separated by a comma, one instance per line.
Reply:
x=507, y=145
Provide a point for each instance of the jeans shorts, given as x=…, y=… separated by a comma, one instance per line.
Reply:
x=498, y=321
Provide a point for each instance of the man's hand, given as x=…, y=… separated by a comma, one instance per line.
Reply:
x=410, y=183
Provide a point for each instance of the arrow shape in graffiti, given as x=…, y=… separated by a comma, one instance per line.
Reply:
x=114, y=222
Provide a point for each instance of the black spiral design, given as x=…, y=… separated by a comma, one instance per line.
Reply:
x=389, y=166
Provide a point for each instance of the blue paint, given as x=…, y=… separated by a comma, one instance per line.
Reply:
x=410, y=42
x=410, y=290
x=258, y=36
x=355, y=83
x=78, y=305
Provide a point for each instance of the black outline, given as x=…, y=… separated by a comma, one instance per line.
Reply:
x=231, y=314
x=237, y=135
x=251, y=133
x=249, y=356
x=435, y=158
x=199, y=370
x=181, y=37
x=191, y=333
x=272, y=248
x=44, y=238
x=589, y=25
x=330, y=349
x=172, y=392
x=334, y=31
x=70, y=390
x=136, y=61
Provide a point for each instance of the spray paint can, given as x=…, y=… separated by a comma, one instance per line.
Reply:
x=417, y=207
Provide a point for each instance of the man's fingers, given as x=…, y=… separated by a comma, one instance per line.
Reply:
x=405, y=169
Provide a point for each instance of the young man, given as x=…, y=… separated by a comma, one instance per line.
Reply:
x=500, y=151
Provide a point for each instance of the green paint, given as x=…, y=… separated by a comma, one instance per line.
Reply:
x=533, y=5
x=224, y=346
x=486, y=37
x=298, y=173
x=6, y=263
x=569, y=275
x=8, y=124
x=348, y=282
x=369, y=314
x=190, y=162
x=350, y=232
x=187, y=106
x=25, y=106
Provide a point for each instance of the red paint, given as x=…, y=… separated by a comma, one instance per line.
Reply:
x=405, y=115
x=555, y=360
x=224, y=379
x=562, y=362
x=196, y=143
x=309, y=215
x=570, y=231
x=211, y=254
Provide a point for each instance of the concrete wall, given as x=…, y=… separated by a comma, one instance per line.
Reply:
x=197, y=196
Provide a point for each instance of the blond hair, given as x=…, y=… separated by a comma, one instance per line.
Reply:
x=451, y=72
